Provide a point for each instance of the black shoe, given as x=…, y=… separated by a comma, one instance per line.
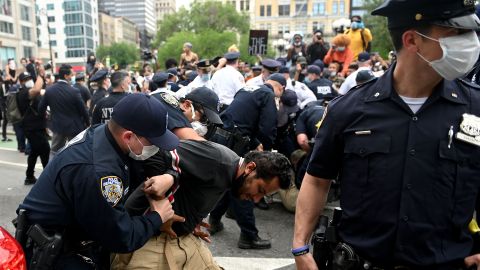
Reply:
x=262, y=204
x=215, y=226
x=6, y=140
x=230, y=214
x=256, y=243
x=30, y=180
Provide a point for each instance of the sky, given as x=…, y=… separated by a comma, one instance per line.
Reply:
x=181, y=3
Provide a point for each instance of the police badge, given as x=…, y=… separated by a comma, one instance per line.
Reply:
x=470, y=130
x=170, y=99
x=112, y=189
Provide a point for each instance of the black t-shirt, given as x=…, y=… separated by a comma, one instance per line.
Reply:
x=32, y=120
x=96, y=97
x=176, y=118
x=206, y=171
x=84, y=92
x=104, y=107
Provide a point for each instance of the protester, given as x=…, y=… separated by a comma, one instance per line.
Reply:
x=340, y=53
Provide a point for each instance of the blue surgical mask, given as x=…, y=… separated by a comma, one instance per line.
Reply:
x=72, y=80
x=205, y=77
x=307, y=80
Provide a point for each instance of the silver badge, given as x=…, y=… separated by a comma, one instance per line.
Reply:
x=469, y=129
x=170, y=99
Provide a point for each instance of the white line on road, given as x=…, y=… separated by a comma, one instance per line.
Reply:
x=8, y=149
x=241, y=263
x=18, y=164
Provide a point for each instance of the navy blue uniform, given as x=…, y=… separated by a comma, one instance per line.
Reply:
x=84, y=92
x=176, y=118
x=322, y=88
x=84, y=188
x=253, y=113
x=308, y=119
x=96, y=97
x=173, y=86
x=104, y=107
x=408, y=192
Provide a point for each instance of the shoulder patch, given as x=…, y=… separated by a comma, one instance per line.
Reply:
x=170, y=99
x=469, y=84
x=112, y=189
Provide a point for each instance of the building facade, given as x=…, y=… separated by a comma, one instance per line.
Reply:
x=116, y=30
x=164, y=7
x=70, y=27
x=247, y=6
x=17, y=30
x=357, y=8
x=141, y=12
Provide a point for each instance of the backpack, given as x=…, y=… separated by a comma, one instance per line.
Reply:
x=13, y=113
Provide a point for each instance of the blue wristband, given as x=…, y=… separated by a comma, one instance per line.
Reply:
x=301, y=250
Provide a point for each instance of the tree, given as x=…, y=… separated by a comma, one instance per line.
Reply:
x=119, y=53
x=378, y=25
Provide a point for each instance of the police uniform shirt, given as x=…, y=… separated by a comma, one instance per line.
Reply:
x=408, y=184
x=256, y=81
x=197, y=82
x=176, y=118
x=308, y=119
x=322, y=88
x=254, y=113
x=97, y=96
x=173, y=86
x=304, y=94
x=226, y=82
x=83, y=188
x=103, y=109
x=206, y=171
x=350, y=81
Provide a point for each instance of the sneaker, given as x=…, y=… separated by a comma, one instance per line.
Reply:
x=6, y=140
x=215, y=226
x=253, y=243
x=30, y=180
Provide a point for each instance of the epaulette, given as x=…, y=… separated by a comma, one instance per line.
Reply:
x=363, y=84
x=469, y=84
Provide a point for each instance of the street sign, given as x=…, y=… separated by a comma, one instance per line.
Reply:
x=257, y=42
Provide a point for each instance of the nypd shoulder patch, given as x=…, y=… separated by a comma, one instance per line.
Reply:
x=170, y=99
x=112, y=189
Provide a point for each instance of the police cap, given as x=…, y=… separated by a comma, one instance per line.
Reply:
x=319, y=63
x=283, y=70
x=289, y=100
x=232, y=56
x=210, y=102
x=99, y=75
x=314, y=69
x=24, y=76
x=279, y=78
x=364, y=76
x=145, y=116
x=160, y=77
x=80, y=77
x=204, y=64
x=257, y=68
x=450, y=13
x=172, y=71
x=271, y=64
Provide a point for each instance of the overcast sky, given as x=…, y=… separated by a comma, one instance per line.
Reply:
x=181, y=3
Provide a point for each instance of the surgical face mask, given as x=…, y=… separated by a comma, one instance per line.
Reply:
x=357, y=25
x=11, y=65
x=307, y=80
x=29, y=84
x=460, y=53
x=200, y=128
x=341, y=49
x=205, y=77
x=298, y=44
x=147, y=151
x=72, y=80
x=333, y=74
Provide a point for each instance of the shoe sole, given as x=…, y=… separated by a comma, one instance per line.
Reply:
x=247, y=246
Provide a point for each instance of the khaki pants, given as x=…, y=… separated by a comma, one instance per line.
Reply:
x=163, y=252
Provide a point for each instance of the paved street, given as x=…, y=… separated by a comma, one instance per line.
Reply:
x=276, y=223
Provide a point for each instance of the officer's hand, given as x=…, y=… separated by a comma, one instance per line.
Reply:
x=299, y=67
x=473, y=261
x=305, y=262
x=259, y=148
x=167, y=226
x=205, y=236
x=156, y=186
x=222, y=62
x=162, y=207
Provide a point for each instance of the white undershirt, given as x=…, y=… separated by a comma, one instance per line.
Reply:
x=414, y=103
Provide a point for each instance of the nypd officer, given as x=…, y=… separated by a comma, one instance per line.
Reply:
x=104, y=108
x=321, y=87
x=103, y=82
x=81, y=193
x=228, y=80
x=201, y=80
x=269, y=66
x=404, y=148
x=158, y=83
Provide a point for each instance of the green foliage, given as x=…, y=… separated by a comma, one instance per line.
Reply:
x=119, y=53
x=378, y=26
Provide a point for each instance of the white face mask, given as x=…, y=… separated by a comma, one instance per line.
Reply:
x=12, y=65
x=147, y=151
x=460, y=53
x=29, y=84
x=200, y=128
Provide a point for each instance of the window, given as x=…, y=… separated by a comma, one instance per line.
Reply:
x=319, y=8
x=90, y=43
x=53, y=43
x=269, y=28
x=27, y=52
x=283, y=29
x=39, y=43
x=50, y=6
x=301, y=9
x=341, y=7
x=335, y=8
x=87, y=7
x=7, y=52
x=262, y=10
x=88, y=19
x=73, y=30
x=25, y=13
x=73, y=18
x=301, y=27
x=317, y=26
x=244, y=5
x=284, y=10
x=357, y=3
x=26, y=33
x=72, y=6
x=75, y=53
x=89, y=31
x=74, y=42
x=269, y=10
x=51, y=19
x=52, y=30
x=6, y=27
x=6, y=7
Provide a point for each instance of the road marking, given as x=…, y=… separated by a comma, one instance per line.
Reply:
x=242, y=263
x=8, y=149
x=19, y=164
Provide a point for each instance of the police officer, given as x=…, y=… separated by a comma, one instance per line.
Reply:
x=228, y=80
x=102, y=112
x=80, y=194
x=304, y=94
x=403, y=148
x=172, y=84
x=269, y=66
x=321, y=87
x=103, y=83
x=80, y=85
x=158, y=83
x=201, y=80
